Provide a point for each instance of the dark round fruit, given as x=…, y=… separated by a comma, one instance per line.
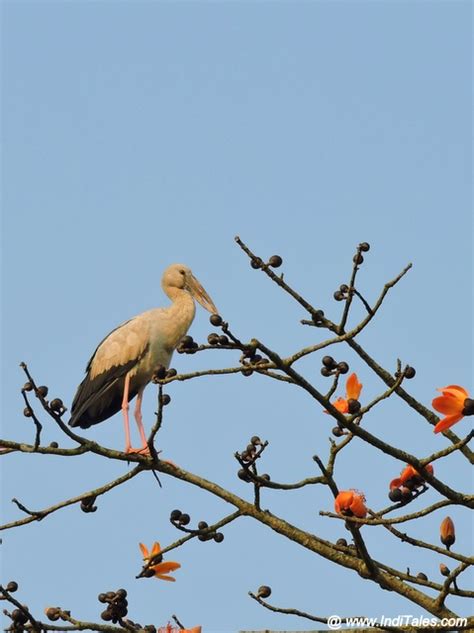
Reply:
x=187, y=342
x=444, y=570
x=150, y=628
x=54, y=445
x=202, y=537
x=342, y=367
x=468, y=407
x=247, y=371
x=344, y=288
x=213, y=339
x=318, y=316
x=265, y=477
x=364, y=246
x=422, y=576
x=184, y=519
x=149, y=573
x=102, y=597
x=42, y=391
x=264, y=591
x=202, y=525
x=338, y=296
x=395, y=495
x=245, y=456
x=250, y=448
x=358, y=258
x=19, y=616
x=28, y=386
x=410, y=372
x=256, y=263
x=165, y=399
x=341, y=541
x=12, y=586
x=215, y=320
x=52, y=613
x=171, y=372
x=175, y=515
x=242, y=474
x=337, y=431
x=160, y=372
x=121, y=593
x=27, y=412
x=406, y=495
x=56, y=405
x=106, y=615
x=218, y=537
x=255, y=440
x=223, y=340
x=329, y=362
x=275, y=261
x=353, y=406
x=326, y=372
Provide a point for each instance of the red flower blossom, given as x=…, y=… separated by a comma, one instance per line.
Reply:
x=454, y=404
x=351, y=503
x=353, y=389
x=161, y=569
x=410, y=478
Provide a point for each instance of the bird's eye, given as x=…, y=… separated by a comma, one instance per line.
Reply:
x=182, y=272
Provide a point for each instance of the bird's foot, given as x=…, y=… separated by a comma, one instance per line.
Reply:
x=144, y=450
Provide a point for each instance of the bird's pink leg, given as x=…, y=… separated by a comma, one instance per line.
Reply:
x=138, y=420
x=126, y=388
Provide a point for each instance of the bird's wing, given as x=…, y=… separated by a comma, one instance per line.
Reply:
x=99, y=394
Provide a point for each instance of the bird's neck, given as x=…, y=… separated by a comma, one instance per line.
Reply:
x=181, y=313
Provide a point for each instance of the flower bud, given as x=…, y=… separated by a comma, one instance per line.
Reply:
x=446, y=532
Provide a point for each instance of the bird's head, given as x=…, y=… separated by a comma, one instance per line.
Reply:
x=180, y=276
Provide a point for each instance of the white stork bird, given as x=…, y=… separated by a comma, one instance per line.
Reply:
x=125, y=360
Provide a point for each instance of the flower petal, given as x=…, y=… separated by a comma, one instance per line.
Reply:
x=448, y=405
x=144, y=549
x=395, y=483
x=156, y=549
x=447, y=422
x=358, y=506
x=453, y=388
x=166, y=567
x=343, y=500
x=168, y=578
x=353, y=387
x=341, y=405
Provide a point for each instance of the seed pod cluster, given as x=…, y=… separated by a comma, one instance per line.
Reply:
x=117, y=605
x=180, y=519
x=342, y=293
x=218, y=339
x=331, y=367
x=56, y=613
x=187, y=345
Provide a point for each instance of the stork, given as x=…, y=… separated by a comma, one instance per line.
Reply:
x=125, y=361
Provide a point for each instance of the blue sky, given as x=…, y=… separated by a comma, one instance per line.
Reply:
x=137, y=134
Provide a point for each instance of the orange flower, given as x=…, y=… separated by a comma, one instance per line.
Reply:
x=410, y=478
x=350, y=503
x=161, y=569
x=446, y=532
x=455, y=404
x=353, y=389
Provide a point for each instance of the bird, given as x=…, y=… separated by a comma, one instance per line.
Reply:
x=126, y=360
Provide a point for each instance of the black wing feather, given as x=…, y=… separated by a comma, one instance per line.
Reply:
x=99, y=398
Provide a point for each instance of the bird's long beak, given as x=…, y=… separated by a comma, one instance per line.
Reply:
x=201, y=295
